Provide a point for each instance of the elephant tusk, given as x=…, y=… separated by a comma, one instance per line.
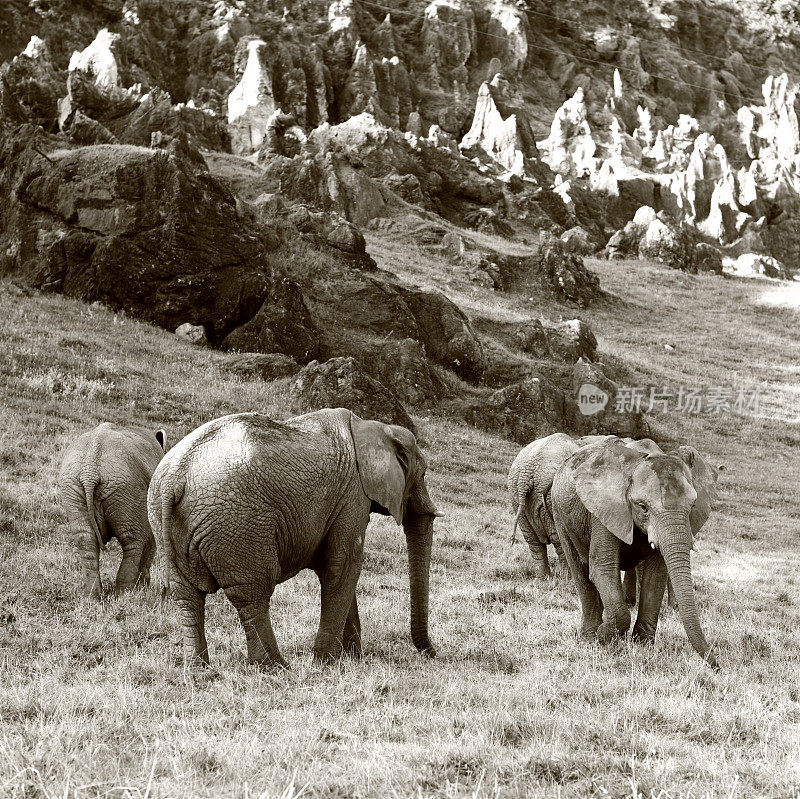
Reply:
x=439, y=515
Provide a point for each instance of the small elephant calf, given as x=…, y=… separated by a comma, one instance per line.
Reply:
x=103, y=484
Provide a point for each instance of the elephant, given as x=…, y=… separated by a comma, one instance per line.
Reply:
x=103, y=483
x=613, y=507
x=529, y=480
x=244, y=503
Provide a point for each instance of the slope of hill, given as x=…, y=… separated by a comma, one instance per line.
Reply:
x=93, y=697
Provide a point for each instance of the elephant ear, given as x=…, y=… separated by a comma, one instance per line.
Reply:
x=161, y=437
x=379, y=455
x=601, y=474
x=704, y=480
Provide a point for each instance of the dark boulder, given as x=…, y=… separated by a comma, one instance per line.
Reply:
x=343, y=383
x=283, y=324
x=144, y=230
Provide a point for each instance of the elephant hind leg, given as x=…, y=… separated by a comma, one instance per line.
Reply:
x=262, y=648
x=88, y=557
x=192, y=609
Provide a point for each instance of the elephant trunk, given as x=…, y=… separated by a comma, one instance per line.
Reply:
x=418, y=528
x=675, y=541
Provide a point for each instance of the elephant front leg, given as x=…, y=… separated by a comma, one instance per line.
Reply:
x=338, y=566
x=192, y=609
x=629, y=586
x=591, y=604
x=651, y=595
x=351, y=638
x=604, y=573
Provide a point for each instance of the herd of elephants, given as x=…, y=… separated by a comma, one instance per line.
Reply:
x=243, y=503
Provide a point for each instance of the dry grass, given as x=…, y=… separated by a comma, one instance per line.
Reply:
x=93, y=698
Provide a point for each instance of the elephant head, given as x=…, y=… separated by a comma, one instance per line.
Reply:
x=665, y=496
x=392, y=473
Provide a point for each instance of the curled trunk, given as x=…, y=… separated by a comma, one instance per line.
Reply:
x=418, y=528
x=676, y=542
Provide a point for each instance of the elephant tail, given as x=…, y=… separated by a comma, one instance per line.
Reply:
x=89, y=483
x=164, y=495
x=516, y=524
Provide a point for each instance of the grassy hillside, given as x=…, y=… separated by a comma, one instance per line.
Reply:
x=93, y=698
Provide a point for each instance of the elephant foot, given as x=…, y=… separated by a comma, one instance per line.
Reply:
x=269, y=665
x=353, y=649
x=541, y=570
x=643, y=637
x=712, y=661
x=589, y=632
x=608, y=632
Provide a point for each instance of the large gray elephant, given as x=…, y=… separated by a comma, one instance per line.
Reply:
x=614, y=506
x=244, y=503
x=103, y=483
x=530, y=479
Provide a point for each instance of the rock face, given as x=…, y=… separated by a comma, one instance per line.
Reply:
x=495, y=136
x=251, y=104
x=124, y=224
x=342, y=383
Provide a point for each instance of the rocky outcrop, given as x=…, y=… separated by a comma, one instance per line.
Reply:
x=34, y=83
x=283, y=324
x=495, y=136
x=567, y=340
x=343, y=383
x=553, y=267
x=507, y=33
x=536, y=407
x=251, y=104
x=265, y=366
x=570, y=148
x=98, y=59
x=448, y=39
x=125, y=225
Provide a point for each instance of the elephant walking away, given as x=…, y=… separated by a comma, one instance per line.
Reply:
x=614, y=507
x=244, y=503
x=529, y=481
x=103, y=484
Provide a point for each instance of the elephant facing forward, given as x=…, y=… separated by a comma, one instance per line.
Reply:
x=103, y=484
x=530, y=480
x=614, y=507
x=244, y=503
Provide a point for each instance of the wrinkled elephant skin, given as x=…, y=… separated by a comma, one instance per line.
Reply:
x=616, y=506
x=103, y=484
x=244, y=503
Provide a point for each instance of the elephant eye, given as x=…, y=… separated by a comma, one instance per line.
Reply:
x=642, y=506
